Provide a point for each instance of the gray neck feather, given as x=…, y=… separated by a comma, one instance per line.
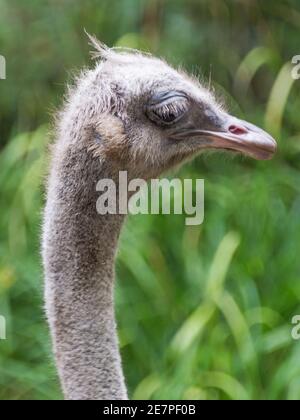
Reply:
x=79, y=248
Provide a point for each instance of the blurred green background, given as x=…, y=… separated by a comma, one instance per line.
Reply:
x=203, y=312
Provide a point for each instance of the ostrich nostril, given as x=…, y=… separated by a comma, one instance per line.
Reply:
x=238, y=130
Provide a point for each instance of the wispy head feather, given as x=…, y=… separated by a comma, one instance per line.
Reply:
x=121, y=54
x=100, y=50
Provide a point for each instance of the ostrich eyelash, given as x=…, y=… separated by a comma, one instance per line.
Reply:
x=168, y=112
x=176, y=108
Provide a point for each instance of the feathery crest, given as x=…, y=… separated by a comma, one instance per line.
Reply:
x=103, y=52
x=100, y=49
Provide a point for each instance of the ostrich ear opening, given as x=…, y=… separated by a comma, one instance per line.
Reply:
x=101, y=51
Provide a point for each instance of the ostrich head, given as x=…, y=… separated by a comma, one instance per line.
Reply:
x=149, y=117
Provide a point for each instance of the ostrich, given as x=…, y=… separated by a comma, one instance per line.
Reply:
x=133, y=113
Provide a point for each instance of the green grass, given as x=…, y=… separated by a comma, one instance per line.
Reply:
x=203, y=312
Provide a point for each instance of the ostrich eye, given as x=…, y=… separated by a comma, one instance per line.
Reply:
x=167, y=108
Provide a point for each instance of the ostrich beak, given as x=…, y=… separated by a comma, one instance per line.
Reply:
x=235, y=135
x=241, y=136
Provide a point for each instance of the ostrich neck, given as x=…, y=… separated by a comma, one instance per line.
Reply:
x=79, y=248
